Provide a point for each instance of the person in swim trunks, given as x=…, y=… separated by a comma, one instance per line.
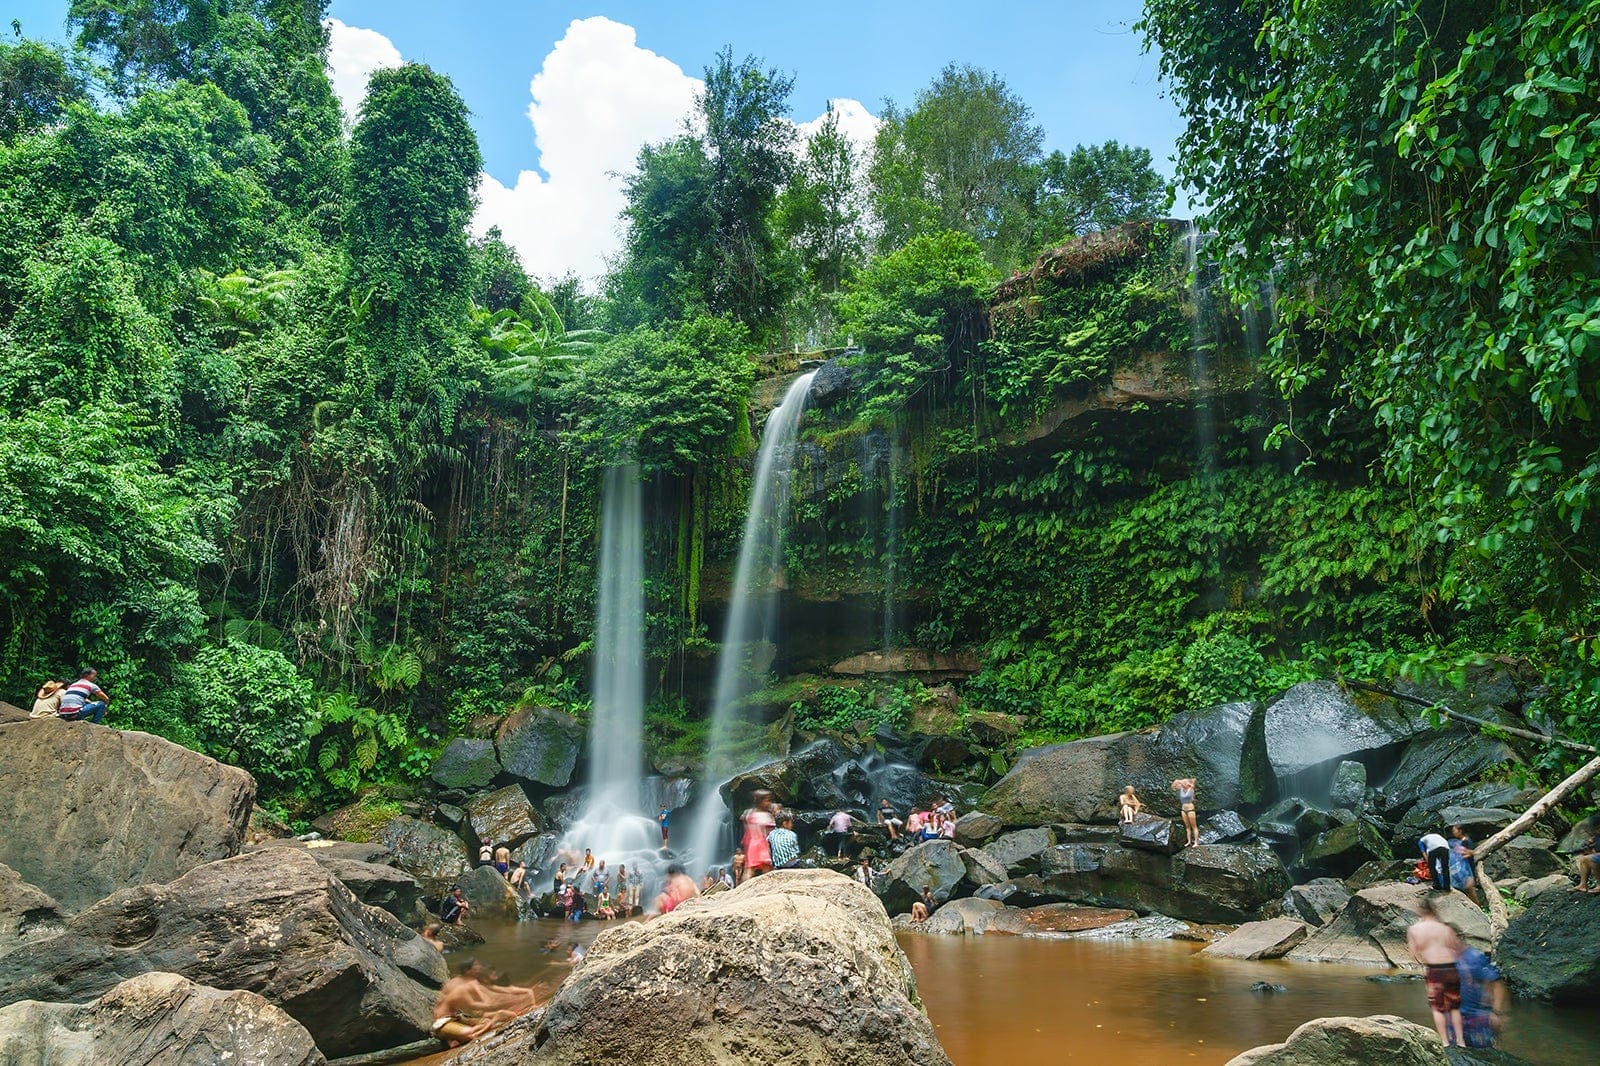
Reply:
x=1185, y=788
x=469, y=1005
x=1437, y=947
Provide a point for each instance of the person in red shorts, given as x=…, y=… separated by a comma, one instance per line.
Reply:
x=1436, y=945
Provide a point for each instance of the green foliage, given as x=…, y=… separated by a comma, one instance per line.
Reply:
x=252, y=709
x=918, y=314
x=849, y=709
x=1095, y=188
x=821, y=215
x=1221, y=668
x=37, y=82
x=351, y=739
x=962, y=158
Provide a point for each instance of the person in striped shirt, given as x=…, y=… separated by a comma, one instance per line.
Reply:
x=784, y=844
x=83, y=699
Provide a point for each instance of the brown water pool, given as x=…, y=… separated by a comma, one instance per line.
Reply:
x=1015, y=1001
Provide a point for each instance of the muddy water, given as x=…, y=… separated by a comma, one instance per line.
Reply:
x=1016, y=1000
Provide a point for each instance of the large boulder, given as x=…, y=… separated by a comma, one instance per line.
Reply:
x=466, y=762
x=935, y=865
x=376, y=884
x=273, y=922
x=828, y=776
x=795, y=967
x=982, y=869
x=1018, y=853
x=433, y=855
x=540, y=745
x=1318, y=723
x=1526, y=857
x=1317, y=901
x=504, y=816
x=970, y=916
x=89, y=810
x=1079, y=781
x=1341, y=851
x=159, y=1019
x=26, y=913
x=1208, y=883
x=1371, y=929
x=974, y=828
x=1384, y=1038
x=350, y=850
x=1151, y=833
x=1442, y=760
x=1552, y=949
x=488, y=893
x=1271, y=939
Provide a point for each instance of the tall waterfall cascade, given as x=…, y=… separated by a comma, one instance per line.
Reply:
x=749, y=634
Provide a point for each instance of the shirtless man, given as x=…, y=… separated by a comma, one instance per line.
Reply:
x=469, y=1005
x=679, y=887
x=1185, y=787
x=1436, y=946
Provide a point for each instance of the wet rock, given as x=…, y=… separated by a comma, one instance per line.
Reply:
x=26, y=913
x=936, y=864
x=992, y=729
x=1383, y=1038
x=1150, y=927
x=539, y=854
x=1423, y=815
x=963, y=916
x=700, y=985
x=1442, y=760
x=1577, y=838
x=1265, y=988
x=1150, y=833
x=1379, y=871
x=466, y=762
x=1019, y=852
x=434, y=856
x=273, y=922
x=1341, y=851
x=1072, y=871
x=348, y=850
x=1079, y=781
x=1224, y=827
x=1527, y=857
x=1552, y=949
x=457, y=937
x=1208, y=883
x=504, y=816
x=1317, y=722
x=939, y=753
x=449, y=814
x=1056, y=918
x=540, y=745
x=974, y=828
x=89, y=810
x=1029, y=891
x=1349, y=788
x=1371, y=929
x=832, y=381
x=982, y=869
x=1314, y=820
x=1271, y=939
x=159, y=1019
x=1317, y=901
x=489, y=894
x=827, y=776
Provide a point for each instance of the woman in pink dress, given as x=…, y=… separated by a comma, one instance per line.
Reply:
x=758, y=822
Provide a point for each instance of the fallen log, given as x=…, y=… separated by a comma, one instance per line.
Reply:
x=390, y=1056
x=1497, y=908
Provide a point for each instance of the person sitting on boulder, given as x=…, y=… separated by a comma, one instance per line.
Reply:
x=47, y=701
x=924, y=906
x=784, y=844
x=1130, y=804
x=888, y=819
x=454, y=908
x=1185, y=788
x=914, y=822
x=83, y=700
x=1589, y=865
x=603, y=908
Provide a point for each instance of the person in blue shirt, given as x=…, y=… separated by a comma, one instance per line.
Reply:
x=1483, y=998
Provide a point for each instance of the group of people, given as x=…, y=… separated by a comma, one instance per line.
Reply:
x=935, y=823
x=82, y=700
x=1465, y=992
x=616, y=895
x=1129, y=805
x=1447, y=864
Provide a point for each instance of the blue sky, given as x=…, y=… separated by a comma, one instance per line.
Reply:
x=1077, y=63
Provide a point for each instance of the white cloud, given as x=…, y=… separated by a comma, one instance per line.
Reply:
x=353, y=54
x=855, y=122
x=596, y=101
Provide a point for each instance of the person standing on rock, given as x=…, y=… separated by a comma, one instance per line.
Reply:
x=758, y=822
x=1437, y=947
x=1185, y=787
x=839, y=833
x=485, y=852
x=83, y=700
x=1436, y=852
x=784, y=844
x=502, y=860
x=663, y=817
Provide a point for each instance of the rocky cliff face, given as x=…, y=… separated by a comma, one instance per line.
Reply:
x=88, y=810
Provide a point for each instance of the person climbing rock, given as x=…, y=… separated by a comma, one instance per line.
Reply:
x=839, y=833
x=889, y=818
x=485, y=852
x=1436, y=851
x=83, y=700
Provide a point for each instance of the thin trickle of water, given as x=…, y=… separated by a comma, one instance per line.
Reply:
x=747, y=640
x=1202, y=340
x=891, y=547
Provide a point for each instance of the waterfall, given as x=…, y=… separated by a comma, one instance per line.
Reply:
x=891, y=547
x=613, y=821
x=749, y=631
x=1202, y=340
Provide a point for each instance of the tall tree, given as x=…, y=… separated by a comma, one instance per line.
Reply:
x=37, y=81
x=663, y=270
x=1096, y=187
x=962, y=158
x=820, y=215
